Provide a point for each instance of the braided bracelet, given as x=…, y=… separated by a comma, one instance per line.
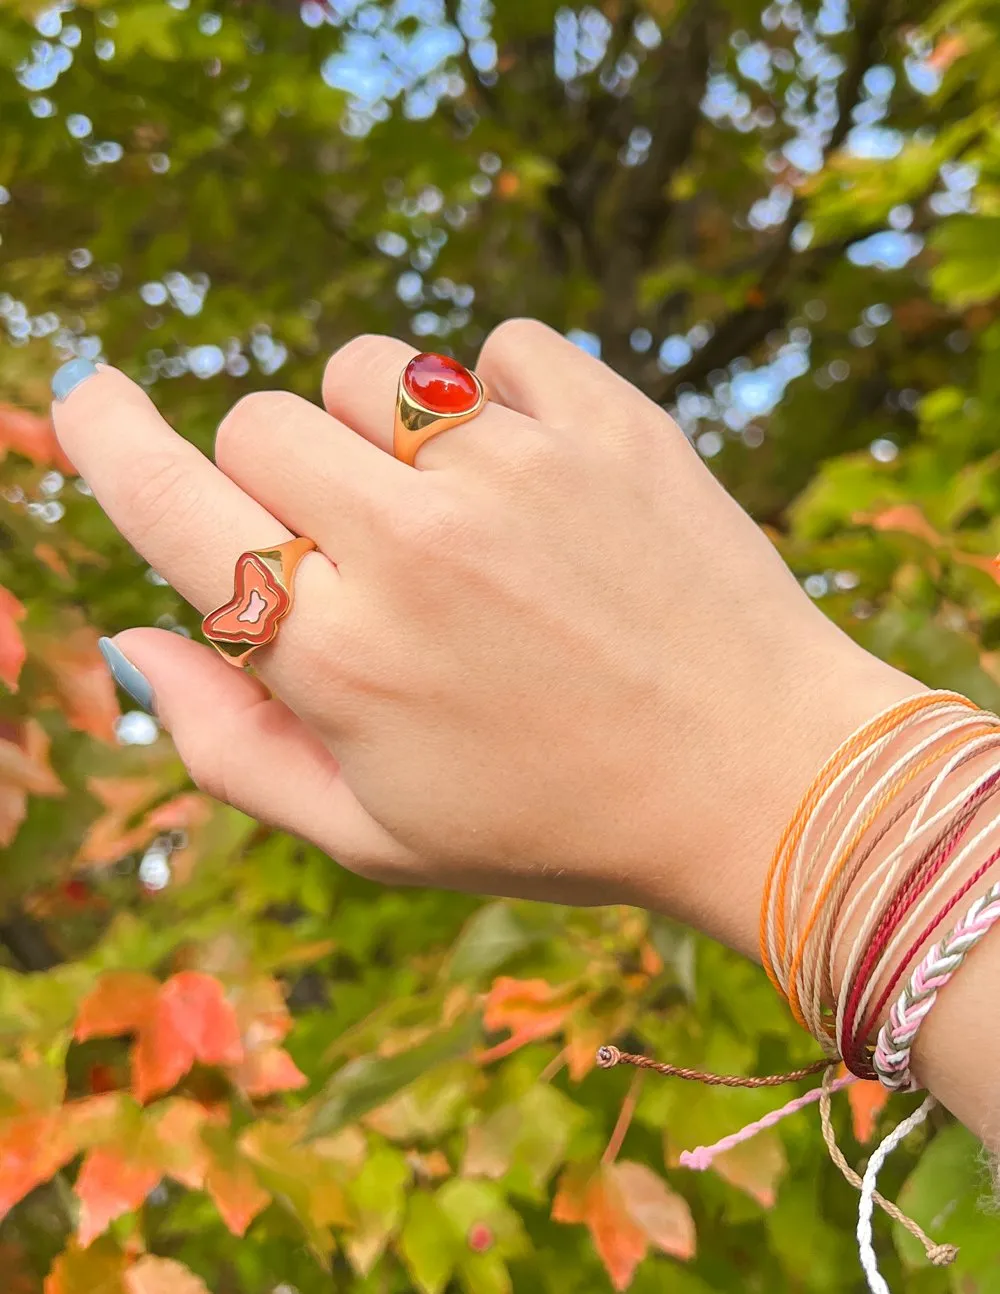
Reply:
x=897, y=1035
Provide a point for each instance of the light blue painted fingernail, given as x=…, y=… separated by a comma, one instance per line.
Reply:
x=69, y=377
x=128, y=678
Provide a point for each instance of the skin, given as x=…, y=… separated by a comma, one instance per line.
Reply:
x=554, y=659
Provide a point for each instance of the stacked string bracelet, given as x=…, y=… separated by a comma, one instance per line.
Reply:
x=885, y=879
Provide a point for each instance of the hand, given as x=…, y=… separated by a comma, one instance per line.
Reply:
x=555, y=659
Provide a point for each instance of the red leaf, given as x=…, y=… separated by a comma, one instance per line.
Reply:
x=192, y=1021
x=108, y=1185
x=867, y=1100
x=12, y=650
x=187, y=1019
x=660, y=1212
x=152, y=1275
x=122, y=1002
x=197, y=1008
x=530, y=1009
x=33, y=436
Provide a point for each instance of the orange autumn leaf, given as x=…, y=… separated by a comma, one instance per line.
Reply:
x=660, y=1212
x=201, y=1163
x=24, y=770
x=627, y=1208
x=108, y=1185
x=908, y=519
x=237, y=1193
x=121, y=828
x=152, y=1275
x=269, y=1070
x=262, y=1012
x=591, y=1198
x=32, y=435
x=85, y=689
x=121, y=1003
x=755, y=1167
x=867, y=1101
x=185, y=1020
x=948, y=50
x=127, y=826
x=264, y=1021
x=12, y=649
x=33, y=1147
x=530, y=1009
x=50, y=556
x=97, y=1270
x=905, y=517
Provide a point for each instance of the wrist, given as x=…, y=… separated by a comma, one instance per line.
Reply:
x=798, y=711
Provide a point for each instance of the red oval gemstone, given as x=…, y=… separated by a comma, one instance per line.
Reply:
x=440, y=384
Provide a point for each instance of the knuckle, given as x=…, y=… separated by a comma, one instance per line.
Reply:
x=362, y=354
x=258, y=410
x=512, y=337
x=166, y=489
x=204, y=756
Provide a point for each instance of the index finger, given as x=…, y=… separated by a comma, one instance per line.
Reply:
x=173, y=505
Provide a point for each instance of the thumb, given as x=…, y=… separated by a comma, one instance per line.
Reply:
x=245, y=747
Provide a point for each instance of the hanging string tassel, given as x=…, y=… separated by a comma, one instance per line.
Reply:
x=702, y=1157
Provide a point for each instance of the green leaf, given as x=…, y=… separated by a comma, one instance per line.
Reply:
x=468, y=1203
x=524, y=1141
x=428, y=1244
x=949, y=1194
x=378, y=1195
x=492, y=936
x=367, y=1082
x=484, y=1274
x=969, y=268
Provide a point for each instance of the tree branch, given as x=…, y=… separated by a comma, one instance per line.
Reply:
x=744, y=329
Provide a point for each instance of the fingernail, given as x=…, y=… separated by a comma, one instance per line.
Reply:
x=128, y=678
x=69, y=377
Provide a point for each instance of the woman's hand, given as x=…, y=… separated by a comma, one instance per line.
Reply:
x=554, y=660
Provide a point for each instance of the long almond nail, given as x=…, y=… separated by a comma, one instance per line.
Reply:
x=128, y=678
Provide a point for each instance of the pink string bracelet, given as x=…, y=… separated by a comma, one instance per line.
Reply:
x=908, y=1012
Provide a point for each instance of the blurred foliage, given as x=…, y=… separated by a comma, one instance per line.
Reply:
x=225, y=1063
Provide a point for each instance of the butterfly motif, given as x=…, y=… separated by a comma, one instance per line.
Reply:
x=251, y=615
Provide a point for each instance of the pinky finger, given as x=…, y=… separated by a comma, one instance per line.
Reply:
x=247, y=748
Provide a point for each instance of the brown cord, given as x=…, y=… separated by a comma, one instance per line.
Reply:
x=608, y=1057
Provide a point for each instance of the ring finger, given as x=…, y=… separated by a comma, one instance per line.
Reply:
x=360, y=387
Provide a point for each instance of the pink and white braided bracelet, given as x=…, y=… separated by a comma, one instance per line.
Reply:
x=896, y=1037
